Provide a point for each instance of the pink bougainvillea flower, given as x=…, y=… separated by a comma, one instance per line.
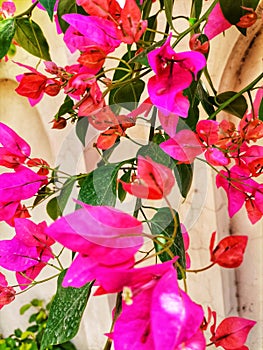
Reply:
x=216, y=23
x=151, y=303
x=85, y=31
x=102, y=8
x=28, y=252
x=184, y=146
x=216, y=157
x=7, y=294
x=20, y=213
x=15, y=150
x=98, y=227
x=237, y=183
x=130, y=25
x=8, y=8
x=104, y=237
x=232, y=332
x=22, y=184
x=169, y=123
x=253, y=212
x=7, y=210
x=32, y=234
x=153, y=180
x=229, y=251
x=174, y=73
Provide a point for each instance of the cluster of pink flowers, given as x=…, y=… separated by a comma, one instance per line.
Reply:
x=155, y=312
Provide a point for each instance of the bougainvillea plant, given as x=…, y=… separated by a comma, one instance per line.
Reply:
x=150, y=83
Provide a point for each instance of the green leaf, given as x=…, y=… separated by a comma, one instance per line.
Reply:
x=153, y=151
x=64, y=7
x=142, y=57
x=100, y=186
x=30, y=36
x=24, y=308
x=66, y=107
x=65, y=314
x=196, y=8
x=163, y=224
x=67, y=188
x=168, y=8
x=125, y=178
x=53, y=208
x=81, y=129
x=7, y=32
x=184, y=177
x=238, y=107
x=49, y=6
x=260, y=111
x=129, y=93
x=204, y=98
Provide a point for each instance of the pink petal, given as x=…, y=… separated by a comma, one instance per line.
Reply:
x=216, y=23
x=13, y=142
x=22, y=184
x=174, y=309
x=16, y=256
x=184, y=146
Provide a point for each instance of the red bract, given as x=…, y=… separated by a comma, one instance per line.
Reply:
x=232, y=333
x=41, y=164
x=7, y=294
x=93, y=58
x=32, y=85
x=130, y=26
x=153, y=181
x=229, y=251
x=248, y=19
x=102, y=8
x=15, y=150
x=200, y=43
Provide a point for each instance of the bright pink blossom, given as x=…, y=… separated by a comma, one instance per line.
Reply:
x=14, y=150
x=237, y=184
x=216, y=23
x=104, y=235
x=7, y=294
x=157, y=314
x=85, y=31
x=229, y=251
x=184, y=146
x=22, y=184
x=153, y=180
x=8, y=8
x=174, y=73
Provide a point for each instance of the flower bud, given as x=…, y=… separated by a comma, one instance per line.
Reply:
x=59, y=123
x=199, y=42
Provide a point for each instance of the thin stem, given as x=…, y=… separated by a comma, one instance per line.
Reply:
x=233, y=98
x=28, y=12
x=196, y=25
x=201, y=269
